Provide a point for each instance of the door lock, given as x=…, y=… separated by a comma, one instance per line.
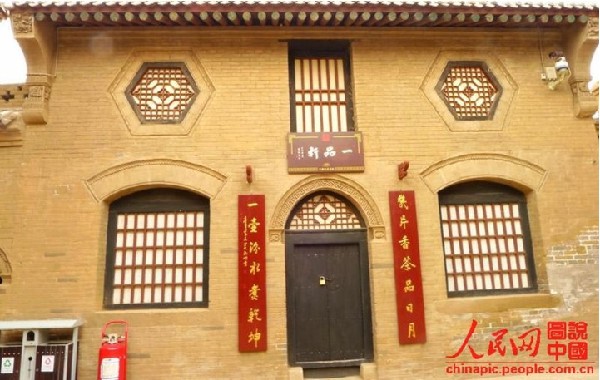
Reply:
x=322, y=280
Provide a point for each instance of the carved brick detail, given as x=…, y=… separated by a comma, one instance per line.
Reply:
x=22, y=23
x=338, y=184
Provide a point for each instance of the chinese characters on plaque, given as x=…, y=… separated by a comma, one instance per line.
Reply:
x=252, y=291
x=407, y=267
x=331, y=152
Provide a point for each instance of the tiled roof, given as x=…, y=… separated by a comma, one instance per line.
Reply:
x=349, y=13
x=562, y=4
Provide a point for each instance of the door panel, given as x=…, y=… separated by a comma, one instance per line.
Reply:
x=330, y=324
x=345, y=295
x=312, y=319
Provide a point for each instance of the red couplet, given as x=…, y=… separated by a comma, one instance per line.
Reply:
x=407, y=267
x=252, y=287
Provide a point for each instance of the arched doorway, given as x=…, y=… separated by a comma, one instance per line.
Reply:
x=327, y=284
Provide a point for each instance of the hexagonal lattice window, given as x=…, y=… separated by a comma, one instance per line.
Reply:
x=162, y=92
x=470, y=90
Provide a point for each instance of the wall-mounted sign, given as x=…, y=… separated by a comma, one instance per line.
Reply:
x=7, y=365
x=48, y=363
x=325, y=152
x=252, y=287
x=407, y=267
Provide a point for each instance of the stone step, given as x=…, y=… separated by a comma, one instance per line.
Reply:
x=349, y=373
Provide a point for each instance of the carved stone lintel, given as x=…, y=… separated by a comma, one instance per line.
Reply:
x=585, y=103
x=592, y=28
x=22, y=23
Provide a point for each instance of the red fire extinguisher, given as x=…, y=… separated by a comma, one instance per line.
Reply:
x=112, y=357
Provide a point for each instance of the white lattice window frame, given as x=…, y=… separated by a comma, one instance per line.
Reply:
x=486, y=243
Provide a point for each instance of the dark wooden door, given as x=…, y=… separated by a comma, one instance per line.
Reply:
x=329, y=320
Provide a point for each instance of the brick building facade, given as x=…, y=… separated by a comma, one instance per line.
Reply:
x=125, y=153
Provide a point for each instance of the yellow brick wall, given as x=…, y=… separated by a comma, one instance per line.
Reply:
x=53, y=230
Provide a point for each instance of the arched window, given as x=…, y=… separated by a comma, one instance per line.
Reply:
x=486, y=239
x=324, y=211
x=157, y=250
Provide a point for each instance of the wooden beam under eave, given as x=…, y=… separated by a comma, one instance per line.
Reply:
x=206, y=19
x=313, y=17
x=301, y=18
x=247, y=17
x=262, y=18
x=233, y=18
x=98, y=17
x=389, y=18
x=131, y=18
x=557, y=19
x=363, y=18
x=84, y=17
x=338, y=18
x=583, y=19
x=325, y=18
x=400, y=19
x=144, y=17
x=177, y=19
x=219, y=19
x=416, y=19
x=351, y=18
x=190, y=18
x=375, y=19
x=275, y=18
x=503, y=18
x=39, y=16
x=148, y=18
x=70, y=17
x=115, y=17
x=457, y=19
x=160, y=17
x=474, y=18
x=288, y=17
x=442, y=20
x=56, y=17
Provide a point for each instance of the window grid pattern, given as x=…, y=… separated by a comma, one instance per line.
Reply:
x=469, y=92
x=163, y=94
x=158, y=258
x=484, y=247
x=324, y=212
x=320, y=95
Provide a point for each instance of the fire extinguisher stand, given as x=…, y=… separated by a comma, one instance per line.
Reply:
x=112, y=356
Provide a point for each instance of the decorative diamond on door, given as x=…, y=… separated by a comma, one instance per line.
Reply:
x=162, y=92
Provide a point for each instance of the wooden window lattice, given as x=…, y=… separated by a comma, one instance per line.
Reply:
x=484, y=247
x=158, y=258
x=469, y=90
x=162, y=92
x=324, y=212
x=320, y=98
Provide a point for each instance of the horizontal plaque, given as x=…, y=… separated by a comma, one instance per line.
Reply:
x=325, y=152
